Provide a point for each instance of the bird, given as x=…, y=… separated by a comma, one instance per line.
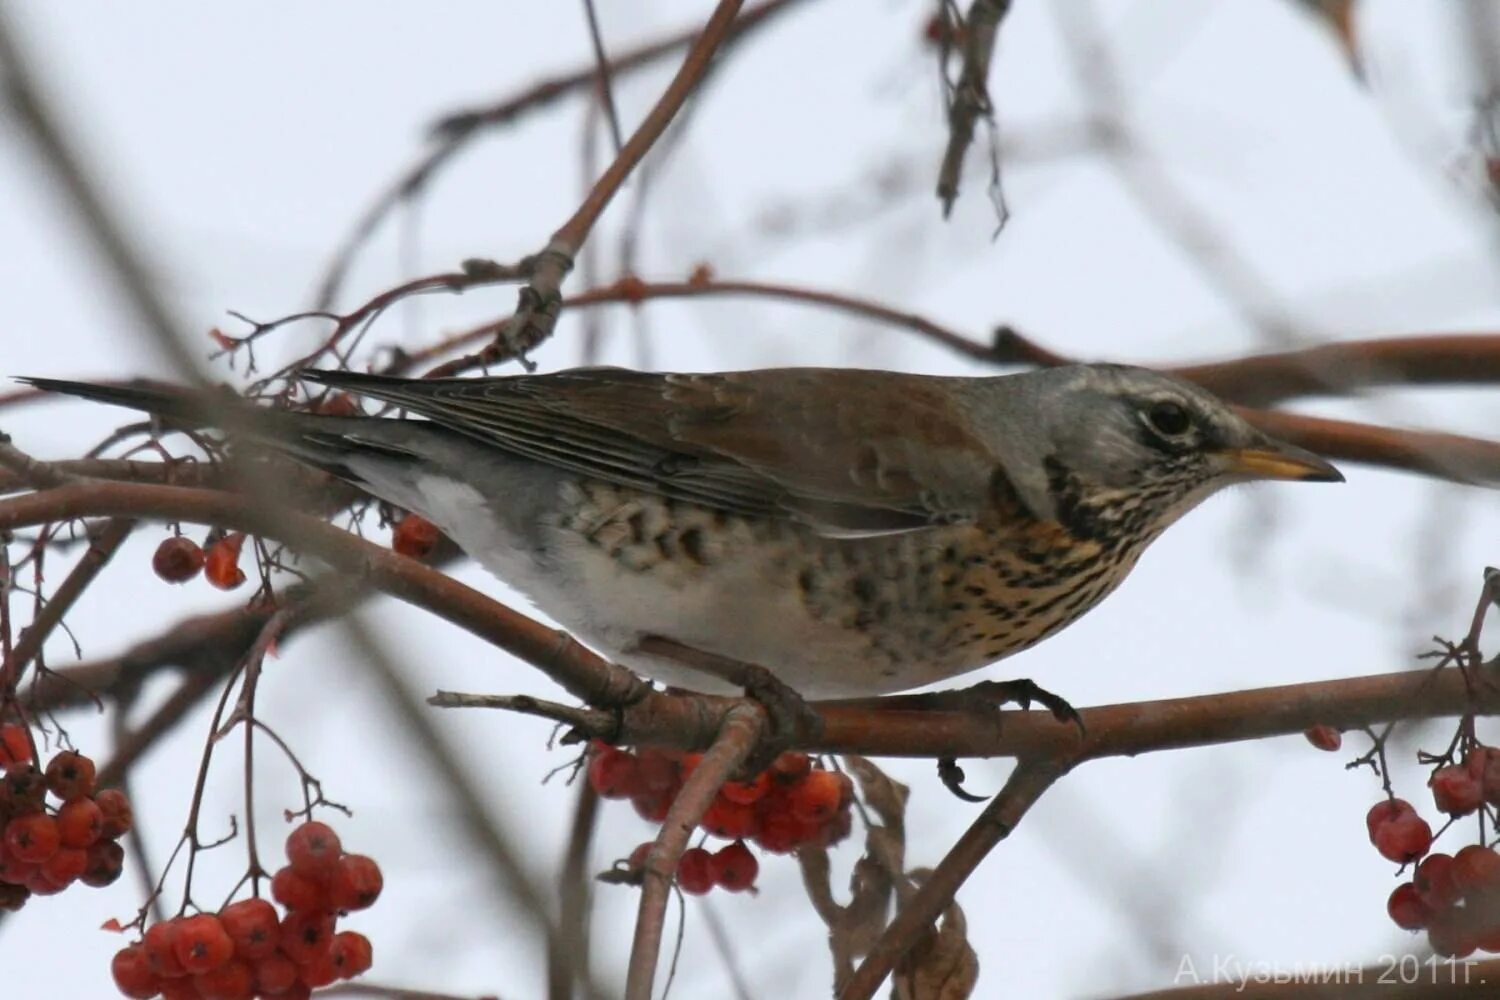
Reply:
x=854, y=532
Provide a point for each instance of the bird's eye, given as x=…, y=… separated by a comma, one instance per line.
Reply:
x=1168, y=419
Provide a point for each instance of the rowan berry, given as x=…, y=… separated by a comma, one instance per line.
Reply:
x=656, y=771
x=231, y=980
x=1407, y=909
x=15, y=746
x=614, y=774
x=816, y=797
x=1435, y=883
x=305, y=936
x=1448, y=935
x=298, y=892
x=415, y=537
x=780, y=832
x=32, y=838
x=274, y=974
x=356, y=882
x=1476, y=869
x=222, y=564
x=313, y=850
x=693, y=872
x=80, y=823
x=1455, y=791
x=791, y=766
x=180, y=989
x=160, y=947
x=1384, y=812
x=66, y=865
x=70, y=776
x=652, y=806
x=106, y=860
x=23, y=790
x=253, y=926
x=1324, y=738
x=202, y=943
x=1404, y=839
x=733, y=867
x=131, y=974
x=319, y=971
x=730, y=820
x=352, y=954
x=177, y=559
x=747, y=792
x=118, y=816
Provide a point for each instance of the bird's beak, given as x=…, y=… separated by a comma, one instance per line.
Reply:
x=1275, y=460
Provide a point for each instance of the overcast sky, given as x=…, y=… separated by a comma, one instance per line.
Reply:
x=241, y=140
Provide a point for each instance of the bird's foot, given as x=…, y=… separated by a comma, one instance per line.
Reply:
x=986, y=696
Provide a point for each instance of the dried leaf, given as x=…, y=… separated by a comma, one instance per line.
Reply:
x=940, y=966
x=881, y=793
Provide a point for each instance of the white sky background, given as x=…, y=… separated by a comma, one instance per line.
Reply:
x=242, y=139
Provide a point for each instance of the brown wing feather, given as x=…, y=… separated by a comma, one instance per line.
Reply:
x=840, y=449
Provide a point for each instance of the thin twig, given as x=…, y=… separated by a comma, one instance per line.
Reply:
x=605, y=85
x=1031, y=777
x=574, y=893
x=741, y=730
x=971, y=94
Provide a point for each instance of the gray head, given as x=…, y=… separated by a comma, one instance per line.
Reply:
x=1113, y=440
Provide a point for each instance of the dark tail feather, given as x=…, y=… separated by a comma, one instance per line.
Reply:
x=177, y=405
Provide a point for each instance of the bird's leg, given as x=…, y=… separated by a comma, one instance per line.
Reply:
x=987, y=695
x=790, y=720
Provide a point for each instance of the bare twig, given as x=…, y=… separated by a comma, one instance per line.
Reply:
x=741, y=730
x=971, y=94
x=604, y=85
x=540, y=299
x=1031, y=777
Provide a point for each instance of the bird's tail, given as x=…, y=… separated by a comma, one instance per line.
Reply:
x=179, y=406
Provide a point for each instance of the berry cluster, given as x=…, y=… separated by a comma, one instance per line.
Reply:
x=179, y=559
x=789, y=805
x=46, y=847
x=731, y=867
x=1455, y=898
x=249, y=950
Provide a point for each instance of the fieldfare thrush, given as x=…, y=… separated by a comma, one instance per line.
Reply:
x=854, y=532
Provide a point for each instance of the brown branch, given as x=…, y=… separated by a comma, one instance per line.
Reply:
x=737, y=738
x=575, y=893
x=604, y=83
x=971, y=94
x=103, y=544
x=454, y=132
x=540, y=298
x=1031, y=777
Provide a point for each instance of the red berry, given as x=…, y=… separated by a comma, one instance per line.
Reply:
x=160, y=947
x=1448, y=935
x=42, y=884
x=253, y=926
x=415, y=536
x=70, y=776
x=66, y=865
x=1435, y=883
x=132, y=976
x=222, y=564
x=274, y=974
x=298, y=892
x=1407, y=909
x=614, y=774
x=106, y=860
x=817, y=797
x=230, y=981
x=202, y=943
x=23, y=790
x=32, y=838
x=733, y=867
x=319, y=971
x=356, y=882
x=15, y=746
x=118, y=816
x=1324, y=737
x=352, y=954
x=180, y=989
x=780, y=833
x=80, y=823
x=747, y=792
x=730, y=820
x=1404, y=839
x=791, y=766
x=652, y=806
x=1455, y=791
x=1476, y=870
x=177, y=559
x=306, y=936
x=313, y=849
x=656, y=771
x=1384, y=812
x=693, y=872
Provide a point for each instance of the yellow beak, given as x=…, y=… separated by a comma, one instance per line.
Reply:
x=1281, y=461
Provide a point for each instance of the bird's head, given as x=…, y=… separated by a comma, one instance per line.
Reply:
x=1120, y=442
